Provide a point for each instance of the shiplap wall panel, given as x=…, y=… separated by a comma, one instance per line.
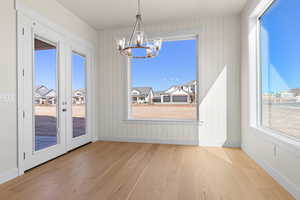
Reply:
x=219, y=48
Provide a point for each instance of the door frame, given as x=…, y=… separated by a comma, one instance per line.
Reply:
x=26, y=17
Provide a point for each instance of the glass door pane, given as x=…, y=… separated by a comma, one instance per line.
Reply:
x=45, y=94
x=78, y=94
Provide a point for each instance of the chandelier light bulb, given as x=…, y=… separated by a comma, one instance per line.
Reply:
x=157, y=44
x=140, y=38
x=129, y=52
x=149, y=52
x=121, y=44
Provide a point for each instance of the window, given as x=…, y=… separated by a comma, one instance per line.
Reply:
x=280, y=68
x=164, y=87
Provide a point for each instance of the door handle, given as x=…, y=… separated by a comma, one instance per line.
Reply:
x=64, y=109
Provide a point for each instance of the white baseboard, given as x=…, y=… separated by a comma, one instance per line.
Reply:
x=95, y=139
x=155, y=141
x=281, y=179
x=8, y=175
x=140, y=140
x=219, y=144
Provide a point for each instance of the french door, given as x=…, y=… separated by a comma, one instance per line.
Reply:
x=54, y=98
x=78, y=130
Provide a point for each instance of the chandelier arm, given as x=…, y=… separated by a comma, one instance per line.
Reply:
x=140, y=22
x=133, y=32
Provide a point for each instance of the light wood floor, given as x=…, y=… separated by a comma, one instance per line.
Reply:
x=107, y=170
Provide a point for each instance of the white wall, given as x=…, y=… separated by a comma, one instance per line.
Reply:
x=278, y=156
x=56, y=13
x=8, y=82
x=8, y=119
x=219, y=60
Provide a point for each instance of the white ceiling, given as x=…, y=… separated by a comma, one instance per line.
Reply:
x=103, y=14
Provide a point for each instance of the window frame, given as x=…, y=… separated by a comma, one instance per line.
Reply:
x=258, y=116
x=128, y=99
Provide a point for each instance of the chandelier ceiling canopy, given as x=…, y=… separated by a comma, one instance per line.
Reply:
x=138, y=46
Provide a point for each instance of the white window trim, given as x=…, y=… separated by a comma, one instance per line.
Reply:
x=277, y=137
x=127, y=89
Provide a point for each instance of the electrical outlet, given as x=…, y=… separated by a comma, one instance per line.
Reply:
x=7, y=98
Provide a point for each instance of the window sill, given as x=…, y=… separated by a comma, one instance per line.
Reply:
x=163, y=122
x=291, y=143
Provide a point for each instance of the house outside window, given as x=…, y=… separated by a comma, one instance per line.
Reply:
x=279, y=93
x=165, y=87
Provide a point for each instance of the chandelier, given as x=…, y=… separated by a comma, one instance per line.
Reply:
x=138, y=46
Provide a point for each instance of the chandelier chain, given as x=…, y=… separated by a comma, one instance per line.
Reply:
x=139, y=16
x=139, y=7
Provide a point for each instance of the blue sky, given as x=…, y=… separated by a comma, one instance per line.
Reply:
x=45, y=69
x=78, y=71
x=281, y=46
x=176, y=64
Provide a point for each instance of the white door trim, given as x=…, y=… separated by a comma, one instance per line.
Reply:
x=25, y=18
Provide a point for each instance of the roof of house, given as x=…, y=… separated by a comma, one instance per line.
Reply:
x=40, y=91
x=190, y=83
x=158, y=93
x=143, y=91
x=50, y=94
x=295, y=90
x=79, y=92
x=174, y=88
